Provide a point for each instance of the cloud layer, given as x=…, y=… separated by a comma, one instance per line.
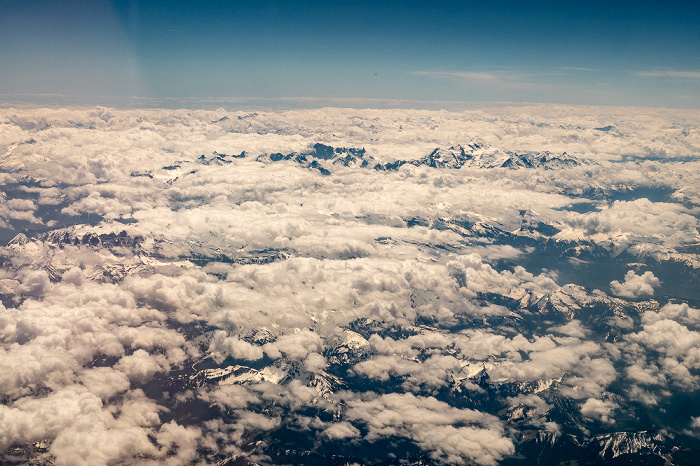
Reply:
x=208, y=286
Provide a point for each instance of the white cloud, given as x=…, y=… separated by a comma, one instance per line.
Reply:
x=36, y=283
x=434, y=372
x=341, y=431
x=74, y=276
x=475, y=75
x=140, y=367
x=230, y=396
x=298, y=345
x=315, y=362
x=681, y=313
x=627, y=222
x=635, y=285
x=83, y=432
x=234, y=347
x=664, y=354
x=453, y=436
x=572, y=329
x=104, y=382
x=503, y=79
x=598, y=409
x=670, y=74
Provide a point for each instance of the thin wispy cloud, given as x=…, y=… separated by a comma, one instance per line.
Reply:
x=504, y=80
x=533, y=82
x=472, y=75
x=578, y=68
x=669, y=74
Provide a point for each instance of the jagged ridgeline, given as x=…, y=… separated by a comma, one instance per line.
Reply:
x=475, y=154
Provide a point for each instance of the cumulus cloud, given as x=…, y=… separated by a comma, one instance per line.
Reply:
x=663, y=354
x=83, y=432
x=598, y=409
x=234, y=347
x=625, y=222
x=635, y=285
x=435, y=372
x=74, y=276
x=341, y=431
x=453, y=436
x=681, y=313
x=296, y=345
x=572, y=329
x=140, y=367
x=695, y=422
x=104, y=382
x=36, y=283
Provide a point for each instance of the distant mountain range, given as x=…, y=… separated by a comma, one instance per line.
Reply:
x=475, y=154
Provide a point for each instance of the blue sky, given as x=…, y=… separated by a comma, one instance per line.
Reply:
x=619, y=53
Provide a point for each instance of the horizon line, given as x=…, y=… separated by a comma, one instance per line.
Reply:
x=32, y=101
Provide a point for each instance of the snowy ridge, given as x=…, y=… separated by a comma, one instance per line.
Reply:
x=475, y=154
x=478, y=154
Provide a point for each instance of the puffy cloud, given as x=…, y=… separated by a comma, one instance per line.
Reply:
x=341, y=431
x=74, y=276
x=572, y=329
x=297, y=345
x=664, y=354
x=35, y=419
x=90, y=441
x=315, y=362
x=180, y=440
x=695, y=422
x=598, y=409
x=590, y=379
x=234, y=347
x=230, y=396
x=36, y=283
x=141, y=366
x=626, y=222
x=435, y=372
x=635, y=285
x=548, y=363
x=27, y=369
x=645, y=375
x=672, y=339
x=83, y=432
x=453, y=436
x=17, y=209
x=104, y=382
x=681, y=313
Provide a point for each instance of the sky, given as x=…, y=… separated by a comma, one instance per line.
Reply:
x=379, y=53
